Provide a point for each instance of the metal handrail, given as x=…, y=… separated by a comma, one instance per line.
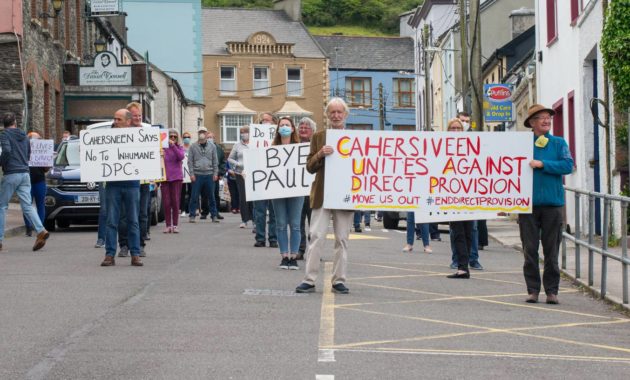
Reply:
x=592, y=248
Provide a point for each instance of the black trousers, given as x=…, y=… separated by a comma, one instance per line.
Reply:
x=462, y=240
x=306, y=214
x=544, y=225
x=246, y=207
x=482, y=230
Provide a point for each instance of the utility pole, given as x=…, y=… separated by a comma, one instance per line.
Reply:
x=337, y=71
x=427, y=81
x=381, y=108
x=463, y=34
x=476, y=79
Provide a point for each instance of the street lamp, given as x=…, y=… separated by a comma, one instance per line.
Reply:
x=57, y=5
x=100, y=46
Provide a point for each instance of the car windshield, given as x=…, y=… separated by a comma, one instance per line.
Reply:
x=68, y=155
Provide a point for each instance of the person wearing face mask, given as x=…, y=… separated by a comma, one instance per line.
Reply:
x=236, y=164
x=173, y=157
x=184, y=198
x=306, y=128
x=204, y=170
x=38, y=189
x=287, y=210
x=205, y=203
x=264, y=215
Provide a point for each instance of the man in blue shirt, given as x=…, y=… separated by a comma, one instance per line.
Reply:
x=552, y=160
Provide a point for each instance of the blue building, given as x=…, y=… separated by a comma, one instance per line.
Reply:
x=170, y=31
x=372, y=75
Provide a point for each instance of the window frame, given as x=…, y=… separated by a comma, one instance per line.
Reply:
x=398, y=94
x=366, y=94
x=242, y=119
x=257, y=90
x=552, y=21
x=291, y=92
x=222, y=91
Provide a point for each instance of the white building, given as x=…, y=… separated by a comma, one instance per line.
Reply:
x=570, y=74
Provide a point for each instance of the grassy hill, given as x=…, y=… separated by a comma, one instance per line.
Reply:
x=350, y=17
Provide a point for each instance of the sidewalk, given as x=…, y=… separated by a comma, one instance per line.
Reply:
x=14, y=223
x=505, y=231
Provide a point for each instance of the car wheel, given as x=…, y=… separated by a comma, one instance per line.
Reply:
x=390, y=220
x=49, y=225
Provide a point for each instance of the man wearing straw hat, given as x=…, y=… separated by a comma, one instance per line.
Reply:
x=552, y=160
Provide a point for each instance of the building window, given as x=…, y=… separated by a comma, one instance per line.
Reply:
x=79, y=17
x=359, y=92
x=230, y=125
x=576, y=8
x=571, y=120
x=397, y=127
x=58, y=115
x=552, y=32
x=228, y=80
x=261, y=81
x=558, y=119
x=404, y=92
x=294, y=81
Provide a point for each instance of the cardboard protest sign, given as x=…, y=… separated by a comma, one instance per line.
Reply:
x=261, y=135
x=120, y=154
x=435, y=173
x=42, y=153
x=277, y=172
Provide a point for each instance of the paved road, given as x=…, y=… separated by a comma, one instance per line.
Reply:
x=207, y=305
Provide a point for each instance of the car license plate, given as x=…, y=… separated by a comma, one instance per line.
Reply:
x=88, y=199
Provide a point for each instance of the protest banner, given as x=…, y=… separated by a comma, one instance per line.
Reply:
x=277, y=172
x=261, y=135
x=42, y=153
x=185, y=169
x=434, y=173
x=120, y=154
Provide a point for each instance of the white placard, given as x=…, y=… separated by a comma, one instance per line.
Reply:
x=185, y=169
x=433, y=173
x=42, y=153
x=105, y=72
x=261, y=135
x=120, y=154
x=277, y=172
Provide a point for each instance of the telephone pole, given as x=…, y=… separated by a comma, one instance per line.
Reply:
x=381, y=108
x=463, y=34
x=476, y=79
x=427, y=80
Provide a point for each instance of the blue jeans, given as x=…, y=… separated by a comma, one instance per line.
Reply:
x=38, y=193
x=206, y=182
x=474, y=246
x=19, y=183
x=129, y=198
x=412, y=230
x=357, y=218
x=288, y=212
x=260, y=218
x=145, y=206
x=102, y=212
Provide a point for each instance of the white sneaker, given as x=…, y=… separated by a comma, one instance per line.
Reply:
x=407, y=248
x=428, y=249
x=184, y=213
x=242, y=225
x=367, y=228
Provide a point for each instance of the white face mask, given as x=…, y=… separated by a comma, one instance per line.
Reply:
x=466, y=125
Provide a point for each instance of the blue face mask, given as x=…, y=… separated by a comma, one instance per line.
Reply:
x=186, y=140
x=284, y=131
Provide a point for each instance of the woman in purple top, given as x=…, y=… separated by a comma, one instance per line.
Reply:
x=171, y=189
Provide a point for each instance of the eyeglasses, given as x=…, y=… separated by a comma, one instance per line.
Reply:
x=172, y=136
x=543, y=118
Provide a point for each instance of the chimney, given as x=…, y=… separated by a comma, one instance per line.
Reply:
x=522, y=19
x=293, y=8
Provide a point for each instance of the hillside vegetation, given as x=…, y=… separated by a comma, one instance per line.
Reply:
x=375, y=16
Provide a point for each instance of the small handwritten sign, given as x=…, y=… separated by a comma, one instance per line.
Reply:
x=42, y=153
x=261, y=135
x=120, y=154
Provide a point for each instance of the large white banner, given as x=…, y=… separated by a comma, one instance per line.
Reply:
x=439, y=174
x=42, y=153
x=261, y=135
x=277, y=172
x=120, y=154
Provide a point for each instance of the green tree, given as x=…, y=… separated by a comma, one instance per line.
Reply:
x=615, y=46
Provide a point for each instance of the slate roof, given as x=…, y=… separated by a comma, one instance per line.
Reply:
x=368, y=53
x=220, y=25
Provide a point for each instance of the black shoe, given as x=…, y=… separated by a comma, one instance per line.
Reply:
x=436, y=239
x=300, y=256
x=259, y=244
x=293, y=265
x=124, y=252
x=305, y=288
x=357, y=229
x=203, y=217
x=273, y=244
x=220, y=217
x=340, y=288
x=29, y=232
x=459, y=275
x=284, y=264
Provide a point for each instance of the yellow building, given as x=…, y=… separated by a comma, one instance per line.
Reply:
x=258, y=61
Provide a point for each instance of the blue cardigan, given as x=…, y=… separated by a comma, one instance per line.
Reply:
x=548, y=188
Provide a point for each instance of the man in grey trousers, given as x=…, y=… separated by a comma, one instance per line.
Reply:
x=203, y=165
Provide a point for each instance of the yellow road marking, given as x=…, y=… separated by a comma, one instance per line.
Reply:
x=327, y=321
